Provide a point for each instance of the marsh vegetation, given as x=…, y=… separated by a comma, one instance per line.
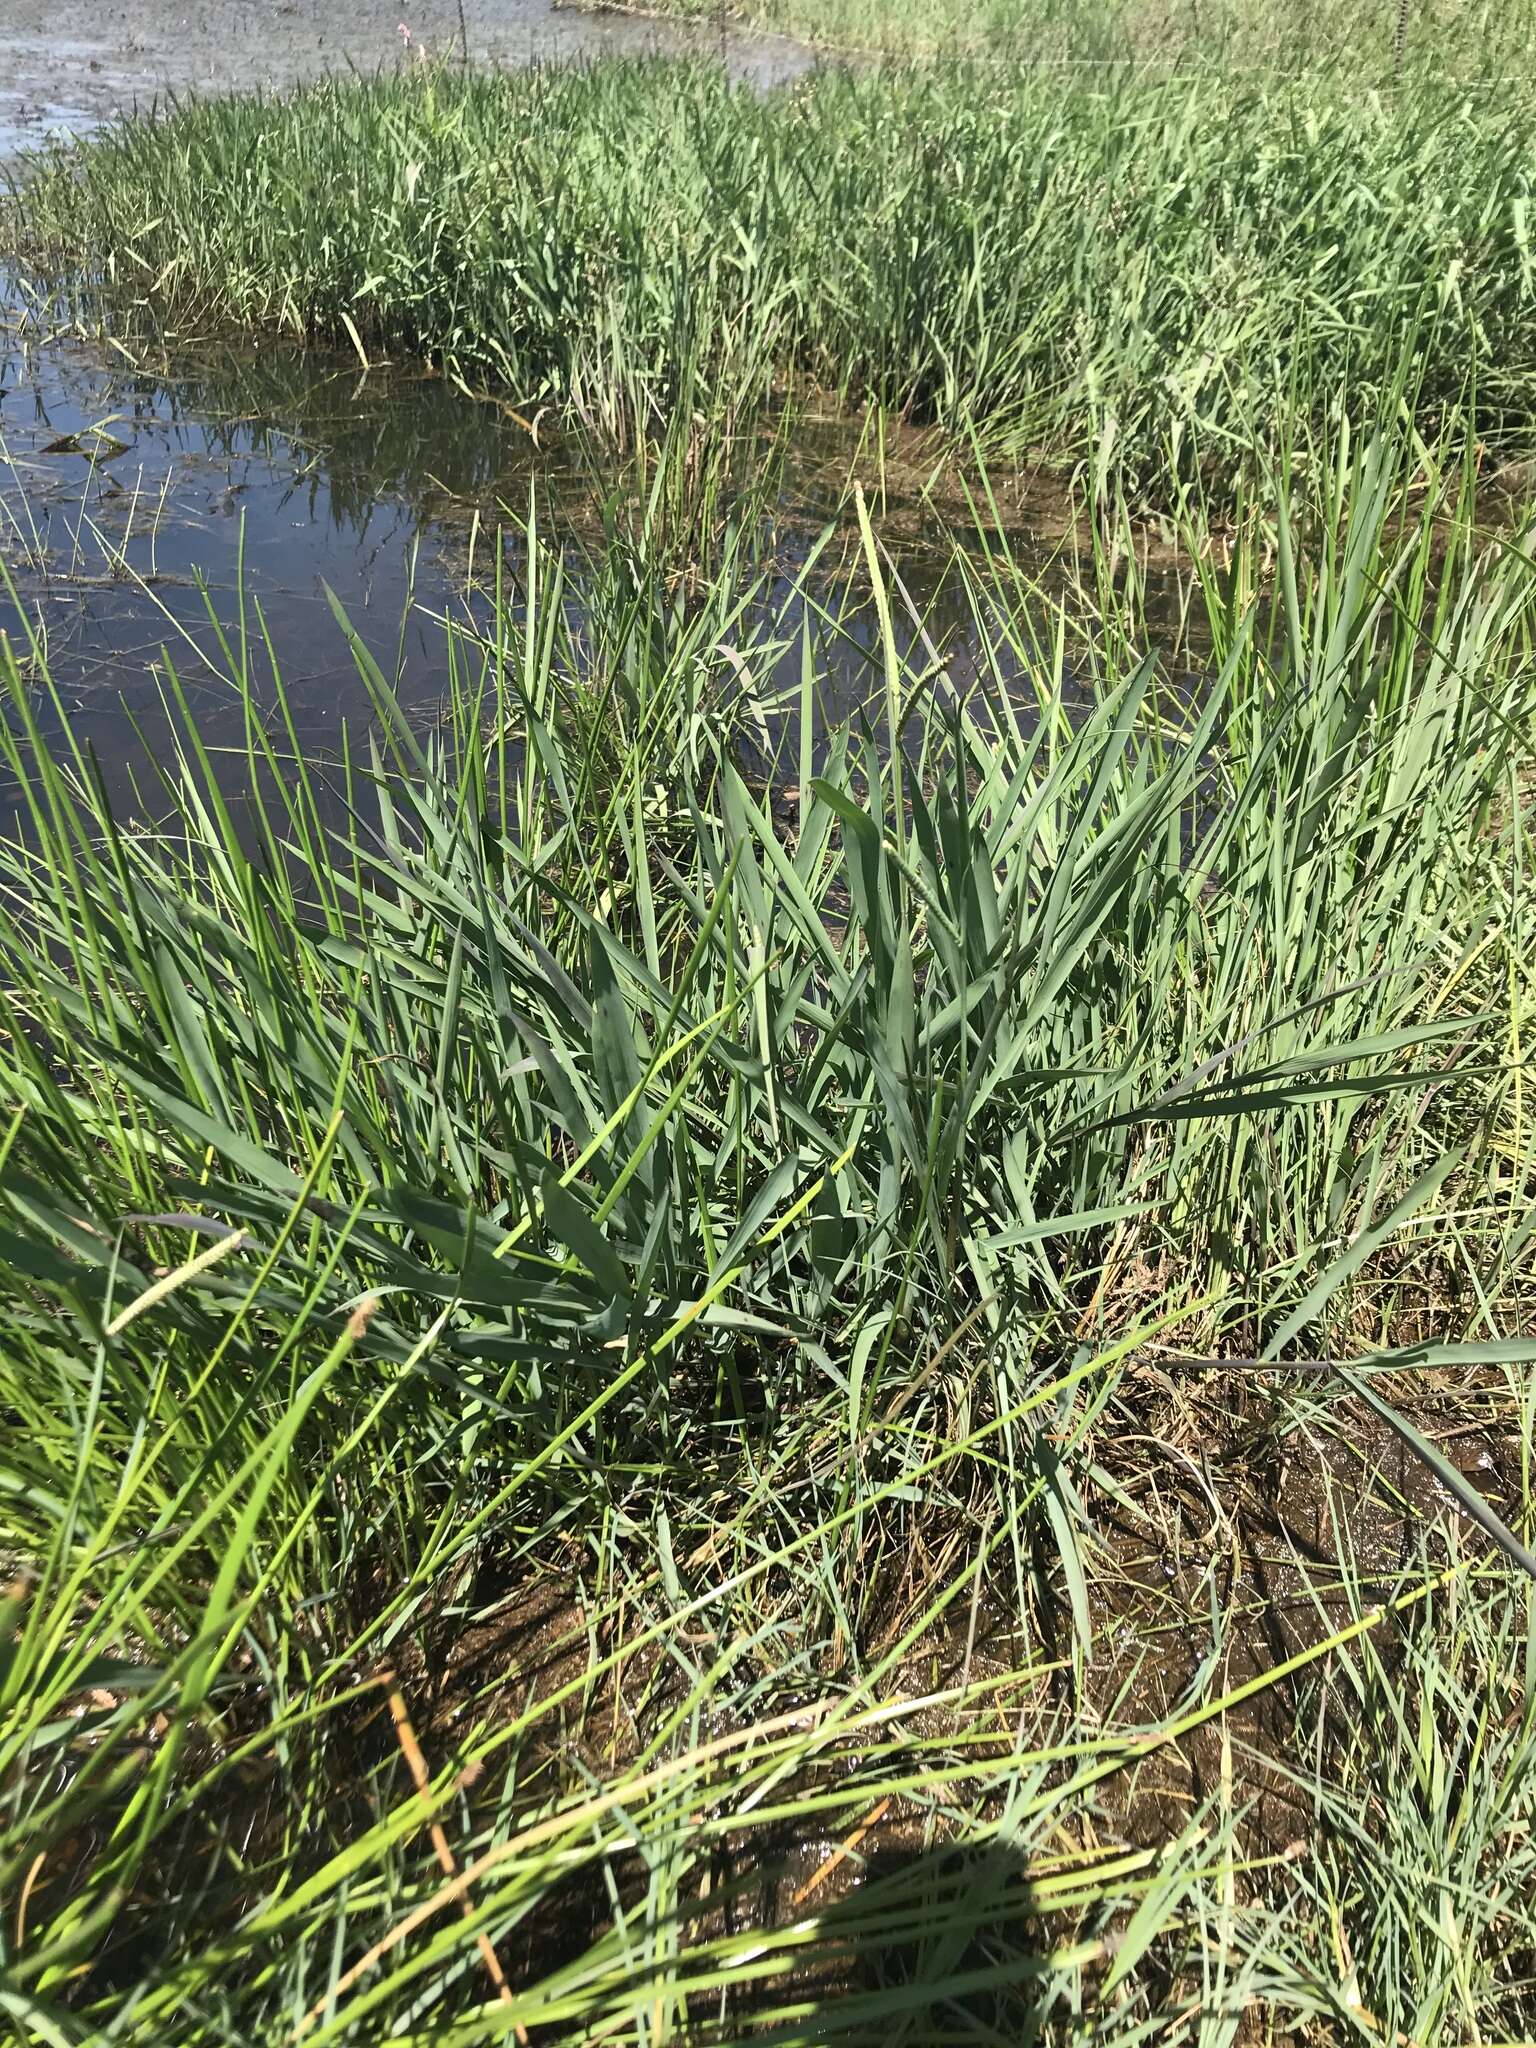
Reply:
x=1158, y=275
x=687, y=1360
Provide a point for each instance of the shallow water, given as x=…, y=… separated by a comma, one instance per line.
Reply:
x=134, y=510
x=145, y=514
x=69, y=64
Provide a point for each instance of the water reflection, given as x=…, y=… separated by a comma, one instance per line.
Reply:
x=150, y=517
x=135, y=507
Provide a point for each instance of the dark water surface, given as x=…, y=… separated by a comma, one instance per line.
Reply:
x=136, y=509
x=145, y=514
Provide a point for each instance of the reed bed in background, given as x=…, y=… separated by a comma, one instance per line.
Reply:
x=1117, y=267
x=1375, y=46
x=567, y=1269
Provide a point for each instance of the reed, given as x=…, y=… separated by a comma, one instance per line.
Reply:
x=1112, y=269
x=613, y=1258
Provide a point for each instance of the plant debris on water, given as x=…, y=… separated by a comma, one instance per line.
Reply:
x=692, y=1356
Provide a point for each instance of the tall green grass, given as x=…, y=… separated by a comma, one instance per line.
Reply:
x=1117, y=268
x=654, y=1230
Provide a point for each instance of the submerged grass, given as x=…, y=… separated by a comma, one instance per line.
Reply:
x=1117, y=268
x=642, y=1233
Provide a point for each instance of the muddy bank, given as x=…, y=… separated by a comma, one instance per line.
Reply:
x=67, y=65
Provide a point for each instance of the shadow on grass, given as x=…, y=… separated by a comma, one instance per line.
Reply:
x=927, y=1946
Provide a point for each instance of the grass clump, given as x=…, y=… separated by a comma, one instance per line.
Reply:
x=1115, y=269
x=650, y=1275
